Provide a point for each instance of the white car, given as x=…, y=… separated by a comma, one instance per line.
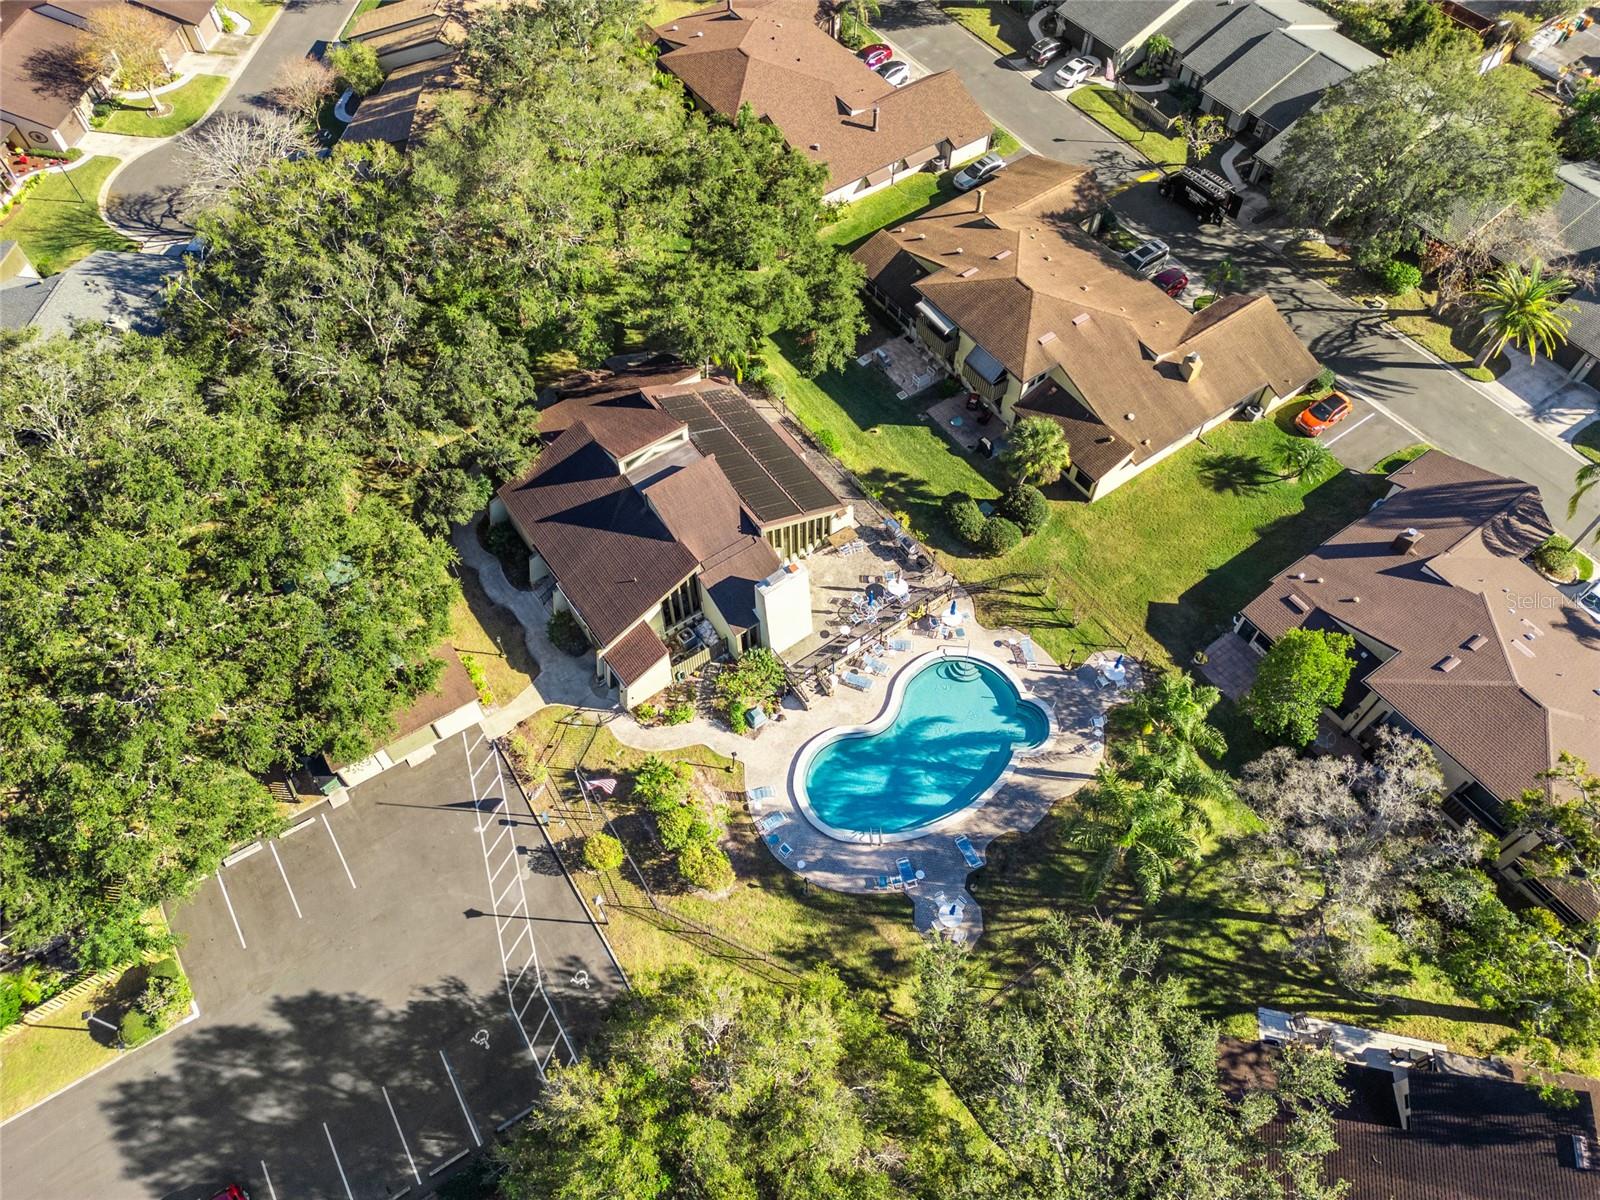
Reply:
x=895, y=73
x=1590, y=601
x=1077, y=70
x=975, y=172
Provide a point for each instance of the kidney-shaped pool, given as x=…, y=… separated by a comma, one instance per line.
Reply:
x=947, y=741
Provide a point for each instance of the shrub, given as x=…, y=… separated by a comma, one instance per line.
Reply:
x=680, y=713
x=506, y=544
x=675, y=827
x=1205, y=301
x=661, y=785
x=480, y=681
x=566, y=633
x=356, y=65
x=10, y=1002
x=646, y=713
x=1397, y=277
x=999, y=535
x=1026, y=505
x=1558, y=559
x=135, y=1028
x=964, y=516
x=602, y=852
x=704, y=865
x=1323, y=383
x=828, y=440
x=751, y=682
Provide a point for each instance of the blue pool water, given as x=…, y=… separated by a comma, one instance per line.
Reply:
x=958, y=724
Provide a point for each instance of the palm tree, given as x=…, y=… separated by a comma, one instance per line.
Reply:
x=1524, y=306
x=1126, y=826
x=1036, y=451
x=1308, y=460
x=1168, y=718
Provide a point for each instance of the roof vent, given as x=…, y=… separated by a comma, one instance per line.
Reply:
x=699, y=33
x=1081, y=319
x=1299, y=574
x=1476, y=642
x=1297, y=604
x=1189, y=368
x=1405, y=542
x=1002, y=254
x=1575, y=1147
x=1447, y=664
x=1127, y=416
x=968, y=273
x=958, y=250
x=818, y=146
x=1144, y=441
x=918, y=237
x=1048, y=336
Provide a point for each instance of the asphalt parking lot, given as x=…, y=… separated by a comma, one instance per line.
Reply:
x=371, y=1009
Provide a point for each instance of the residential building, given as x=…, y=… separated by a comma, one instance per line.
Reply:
x=46, y=93
x=829, y=106
x=123, y=289
x=1459, y=641
x=1578, y=212
x=1446, y=1127
x=397, y=110
x=1008, y=292
x=1261, y=65
x=409, y=31
x=670, y=518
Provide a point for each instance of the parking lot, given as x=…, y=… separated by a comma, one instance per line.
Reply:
x=371, y=1006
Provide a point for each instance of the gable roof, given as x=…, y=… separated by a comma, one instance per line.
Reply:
x=1036, y=292
x=394, y=112
x=635, y=653
x=1116, y=22
x=41, y=76
x=771, y=55
x=121, y=288
x=1522, y=686
x=394, y=16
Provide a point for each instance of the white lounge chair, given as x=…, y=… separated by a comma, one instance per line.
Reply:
x=860, y=682
x=761, y=793
x=771, y=821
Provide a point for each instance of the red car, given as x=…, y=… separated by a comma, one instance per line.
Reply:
x=232, y=1192
x=1323, y=415
x=1172, y=281
x=876, y=54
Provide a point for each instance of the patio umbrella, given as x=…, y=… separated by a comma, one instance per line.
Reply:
x=951, y=617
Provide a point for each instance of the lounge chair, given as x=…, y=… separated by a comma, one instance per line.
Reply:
x=908, y=877
x=771, y=821
x=882, y=883
x=761, y=793
x=964, y=844
x=784, y=849
x=1028, y=655
x=900, y=644
x=878, y=666
x=860, y=682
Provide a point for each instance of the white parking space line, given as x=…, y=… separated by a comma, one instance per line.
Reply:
x=229, y=902
x=339, y=852
x=271, y=1191
x=1351, y=429
x=471, y=1124
x=285, y=875
x=401, y=1132
x=337, y=1163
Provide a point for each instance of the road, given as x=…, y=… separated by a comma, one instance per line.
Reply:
x=1411, y=397
x=146, y=196
x=356, y=1033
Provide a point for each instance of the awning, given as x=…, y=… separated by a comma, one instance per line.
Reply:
x=985, y=365
x=942, y=325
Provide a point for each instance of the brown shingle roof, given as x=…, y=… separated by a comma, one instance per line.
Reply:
x=391, y=16
x=1095, y=446
x=1513, y=700
x=731, y=579
x=1037, y=292
x=621, y=423
x=394, y=112
x=635, y=653
x=41, y=77
x=771, y=55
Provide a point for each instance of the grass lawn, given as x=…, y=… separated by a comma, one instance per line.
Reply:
x=42, y=1059
x=1000, y=25
x=1587, y=441
x=361, y=9
x=259, y=13
x=662, y=11
x=1411, y=313
x=1107, y=108
x=55, y=227
x=492, y=636
x=185, y=106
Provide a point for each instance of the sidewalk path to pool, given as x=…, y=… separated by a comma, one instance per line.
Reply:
x=1035, y=782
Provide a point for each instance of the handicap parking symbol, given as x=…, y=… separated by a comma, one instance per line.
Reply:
x=481, y=1038
x=581, y=979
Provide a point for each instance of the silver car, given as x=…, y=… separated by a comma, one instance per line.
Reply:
x=895, y=73
x=1077, y=70
x=975, y=172
x=1148, y=256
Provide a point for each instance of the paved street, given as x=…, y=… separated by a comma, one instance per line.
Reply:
x=357, y=1031
x=1416, y=397
x=145, y=197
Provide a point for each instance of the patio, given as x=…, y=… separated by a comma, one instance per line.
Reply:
x=908, y=365
x=964, y=425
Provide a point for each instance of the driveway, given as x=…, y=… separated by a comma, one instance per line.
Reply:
x=145, y=198
x=1419, y=398
x=357, y=1034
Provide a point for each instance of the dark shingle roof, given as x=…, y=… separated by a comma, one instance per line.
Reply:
x=1261, y=66
x=1115, y=22
x=1096, y=448
x=636, y=652
x=124, y=289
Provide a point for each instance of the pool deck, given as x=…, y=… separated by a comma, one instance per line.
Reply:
x=1034, y=783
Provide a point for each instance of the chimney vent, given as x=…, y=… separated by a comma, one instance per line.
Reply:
x=1405, y=542
x=1189, y=368
x=981, y=191
x=875, y=119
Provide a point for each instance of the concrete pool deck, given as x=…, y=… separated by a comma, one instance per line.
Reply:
x=1035, y=782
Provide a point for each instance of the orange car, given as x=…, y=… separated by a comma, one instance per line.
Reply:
x=1318, y=418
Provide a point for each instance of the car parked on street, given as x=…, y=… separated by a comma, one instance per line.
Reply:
x=975, y=172
x=1322, y=416
x=1044, y=50
x=1147, y=256
x=1172, y=281
x=895, y=73
x=876, y=54
x=1590, y=601
x=1077, y=70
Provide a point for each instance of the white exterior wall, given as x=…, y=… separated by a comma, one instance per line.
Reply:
x=783, y=607
x=654, y=681
x=62, y=137
x=853, y=190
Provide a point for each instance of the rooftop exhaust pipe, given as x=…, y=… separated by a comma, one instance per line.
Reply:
x=1189, y=368
x=875, y=125
x=980, y=193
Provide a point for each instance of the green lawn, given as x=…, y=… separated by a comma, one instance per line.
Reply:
x=40, y=1060
x=493, y=637
x=1000, y=25
x=184, y=107
x=55, y=227
x=1106, y=107
x=259, y=13
x=1587, y=441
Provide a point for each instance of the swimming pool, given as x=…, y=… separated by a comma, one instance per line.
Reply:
x=944, y=740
